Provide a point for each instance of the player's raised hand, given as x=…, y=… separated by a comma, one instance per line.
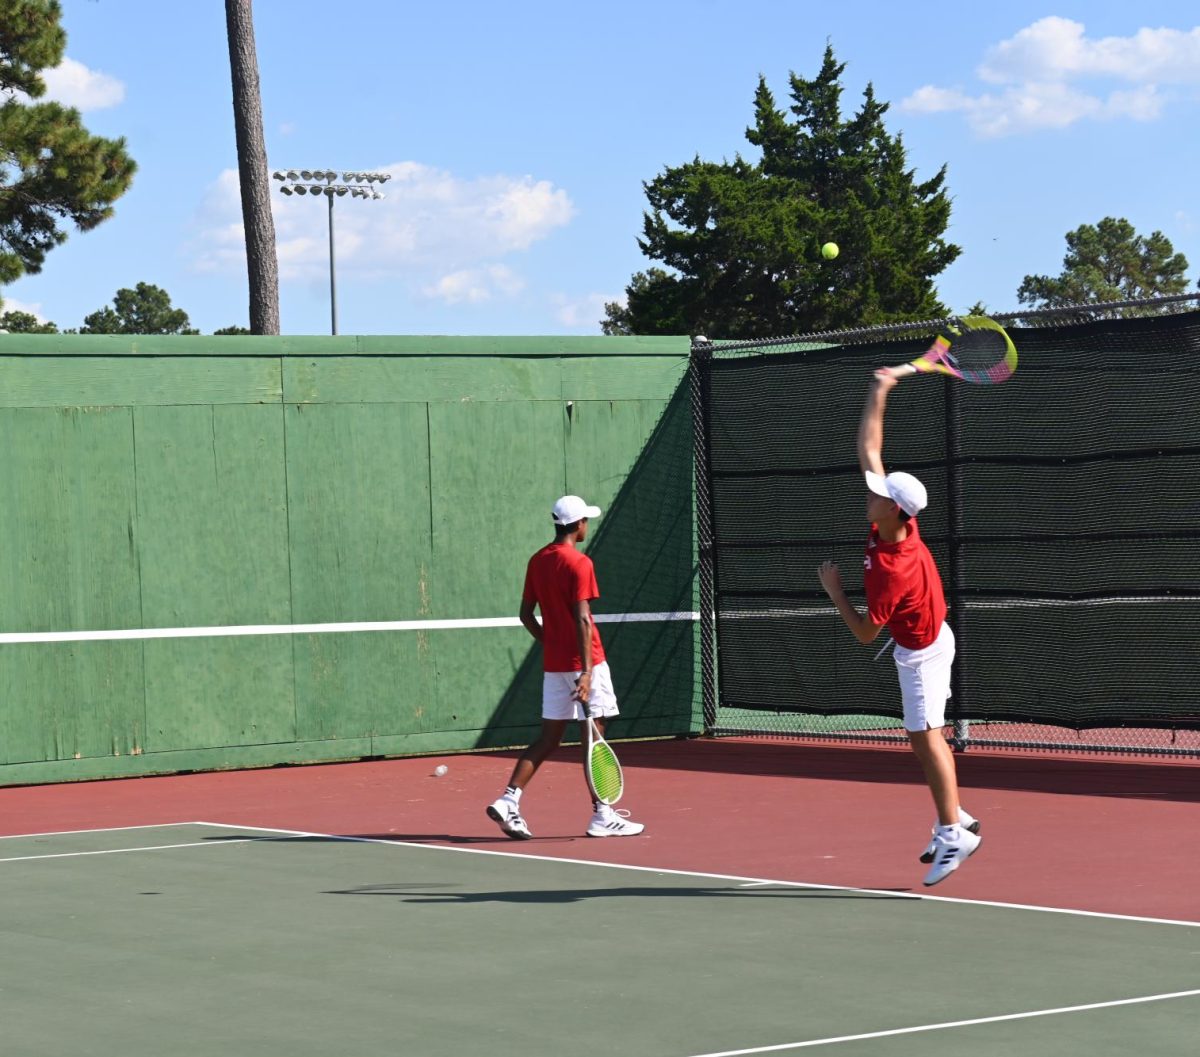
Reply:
x=830, y=576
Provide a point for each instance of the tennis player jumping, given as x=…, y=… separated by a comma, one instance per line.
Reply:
x=904, y=594
x=560, y=580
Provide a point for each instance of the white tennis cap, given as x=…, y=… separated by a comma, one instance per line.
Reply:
x=570, y=508
x=903, y=489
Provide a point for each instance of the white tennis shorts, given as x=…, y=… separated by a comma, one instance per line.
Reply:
x=925, y=681
x=557, y=688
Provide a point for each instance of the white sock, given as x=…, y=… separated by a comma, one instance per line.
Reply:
x=949, y=832
x=513, y=793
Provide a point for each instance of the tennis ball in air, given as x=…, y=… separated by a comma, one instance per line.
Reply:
x=440, y=769
x=829, y=250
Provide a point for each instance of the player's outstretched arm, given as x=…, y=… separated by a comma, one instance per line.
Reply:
x=870, y=427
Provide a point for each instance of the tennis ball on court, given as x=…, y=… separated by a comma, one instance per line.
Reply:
x=440, y=769
x=829, y=250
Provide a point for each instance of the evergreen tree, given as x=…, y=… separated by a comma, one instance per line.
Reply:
x=743, y=239
x=146, y=309
x=17, y=322
x=1109, y=261
x=51, y=169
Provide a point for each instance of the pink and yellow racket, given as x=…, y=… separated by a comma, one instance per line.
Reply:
x=979, y=351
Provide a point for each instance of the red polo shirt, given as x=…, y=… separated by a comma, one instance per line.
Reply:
x=904, y=590
x=557, y=577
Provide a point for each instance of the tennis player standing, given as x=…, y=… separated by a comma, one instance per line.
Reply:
x=560, y=580
x=904, y=594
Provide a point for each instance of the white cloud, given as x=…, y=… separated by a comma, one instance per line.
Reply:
x=1034, y=71
x=444, y=236
x=11, y=304
x=473, y=285
x=1034, y=106
x=1057, y=48
x=73, y=84
x=584, y=312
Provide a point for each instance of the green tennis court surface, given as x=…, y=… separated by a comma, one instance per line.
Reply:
x=204, y=939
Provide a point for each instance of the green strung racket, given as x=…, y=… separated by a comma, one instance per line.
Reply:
x=603, y=769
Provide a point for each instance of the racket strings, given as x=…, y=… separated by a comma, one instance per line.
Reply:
x=976, y=350
x=607, y=780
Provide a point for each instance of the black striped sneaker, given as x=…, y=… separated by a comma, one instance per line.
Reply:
x=507, y=815
x=930, y=848
x=609, y=823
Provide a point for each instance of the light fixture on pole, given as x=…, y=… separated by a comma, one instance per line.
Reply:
x=324, y=182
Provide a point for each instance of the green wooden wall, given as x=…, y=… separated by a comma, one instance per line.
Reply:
x=183, y=482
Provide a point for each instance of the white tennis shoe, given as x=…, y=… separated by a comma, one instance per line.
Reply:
x=931, y=847
x=508, y=816
x=951, y=848
x=607, y=822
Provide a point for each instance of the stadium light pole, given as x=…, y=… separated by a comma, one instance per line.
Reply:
x=325, y=182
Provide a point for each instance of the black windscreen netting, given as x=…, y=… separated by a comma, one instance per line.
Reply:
x=1064, y=514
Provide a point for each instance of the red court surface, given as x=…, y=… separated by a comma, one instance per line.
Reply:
x=1105, y=836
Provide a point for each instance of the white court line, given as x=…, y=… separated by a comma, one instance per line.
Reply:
x=102, y=829
x=226, y=631
x=921, y=897
x=950, y=1024
x=122, y=851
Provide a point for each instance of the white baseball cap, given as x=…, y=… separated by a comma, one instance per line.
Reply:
x=903, y=489
x=570, y=508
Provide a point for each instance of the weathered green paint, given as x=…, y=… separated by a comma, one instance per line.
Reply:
x=183, y=482
x=71, y=382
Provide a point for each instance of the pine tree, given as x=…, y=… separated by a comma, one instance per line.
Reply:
x=52, y=170
x=18, y=322
x=146, y=309
x=742, y=240
x=1109, y=261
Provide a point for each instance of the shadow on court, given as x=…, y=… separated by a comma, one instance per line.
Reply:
x=401, y=838
x=403, y=892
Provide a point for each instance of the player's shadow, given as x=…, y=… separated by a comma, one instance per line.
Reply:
x=382, y=838
x=549, y=896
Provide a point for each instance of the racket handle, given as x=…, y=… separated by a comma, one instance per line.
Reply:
x=897, y=372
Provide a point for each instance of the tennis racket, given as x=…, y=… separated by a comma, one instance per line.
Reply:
x=979, y=351
x=600, y=763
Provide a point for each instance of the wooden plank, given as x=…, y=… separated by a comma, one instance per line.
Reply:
x=634, y=459
x=137, y=382
x=364, y=684
x=623, y=377
x=520, y=346
x=69, y=701
x=496, y=470
x=196, y=345
x=358, y=492
x=206, y=693
x=419, y=379
x=212, y=515
x=69, y=520
x=361, y=549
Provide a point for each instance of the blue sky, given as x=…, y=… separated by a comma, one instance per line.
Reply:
x=518, y=137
